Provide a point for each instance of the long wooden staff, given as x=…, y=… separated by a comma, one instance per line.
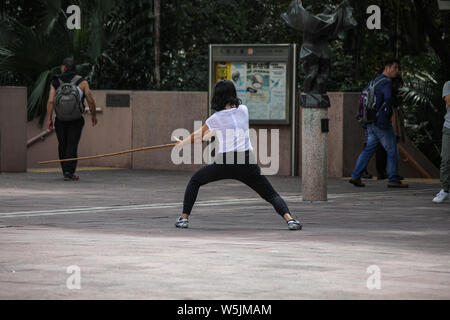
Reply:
x=111, y=154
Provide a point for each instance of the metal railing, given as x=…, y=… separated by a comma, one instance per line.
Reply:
x=40, y=137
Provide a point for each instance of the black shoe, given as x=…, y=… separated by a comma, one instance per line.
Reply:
x=70, y=176
x=397, y=184
x=382, y=177
x=357, y=182
x=366, y=175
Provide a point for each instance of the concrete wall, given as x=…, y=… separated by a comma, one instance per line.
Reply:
x=336, y=134
x=111, y=134
x=150, y=120
x=13, y=124
x=284, y=146
x=153, y=116
x=157, y=114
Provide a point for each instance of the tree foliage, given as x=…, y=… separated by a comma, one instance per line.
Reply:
x=115, y=47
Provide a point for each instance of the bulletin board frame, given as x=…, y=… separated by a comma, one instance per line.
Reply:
x=269, y=95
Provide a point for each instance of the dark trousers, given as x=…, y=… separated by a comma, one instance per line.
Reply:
x=247, y=172
x=69, y=134
x=445, y=159
x=381, y=161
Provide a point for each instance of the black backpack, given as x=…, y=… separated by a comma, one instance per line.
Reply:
x=68, y=104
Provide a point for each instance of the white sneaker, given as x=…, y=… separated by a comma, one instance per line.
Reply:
x=182, y=223
x=440, y=197
x=294, y=225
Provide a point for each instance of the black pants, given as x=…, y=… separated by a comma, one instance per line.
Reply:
x=381, y=161
x=69, y=134
x=247, y=172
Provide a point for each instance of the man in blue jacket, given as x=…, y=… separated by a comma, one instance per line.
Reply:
x=381, y=130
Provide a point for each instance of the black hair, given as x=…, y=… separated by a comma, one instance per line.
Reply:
x=389, y=62
x=69, y=63
x=224, y=93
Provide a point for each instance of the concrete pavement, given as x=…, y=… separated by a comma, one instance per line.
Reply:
x=115, y=229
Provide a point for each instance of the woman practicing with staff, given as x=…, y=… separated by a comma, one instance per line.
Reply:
x=231, y=115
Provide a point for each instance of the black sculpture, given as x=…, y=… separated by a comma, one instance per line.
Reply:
x=315, y=53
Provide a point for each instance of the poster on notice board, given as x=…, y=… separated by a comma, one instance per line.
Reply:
x=260, y=85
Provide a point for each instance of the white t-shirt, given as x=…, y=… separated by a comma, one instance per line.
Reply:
x=232, y=130
x=445, y=92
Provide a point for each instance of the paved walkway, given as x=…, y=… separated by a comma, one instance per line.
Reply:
x=115, y=229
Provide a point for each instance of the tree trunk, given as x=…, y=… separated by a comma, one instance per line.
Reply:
x=157, y=5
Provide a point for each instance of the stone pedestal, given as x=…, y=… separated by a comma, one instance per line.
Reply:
x=314, y=154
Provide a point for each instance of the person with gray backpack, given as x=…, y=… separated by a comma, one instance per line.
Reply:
x=67, y=94
x=375, y=114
